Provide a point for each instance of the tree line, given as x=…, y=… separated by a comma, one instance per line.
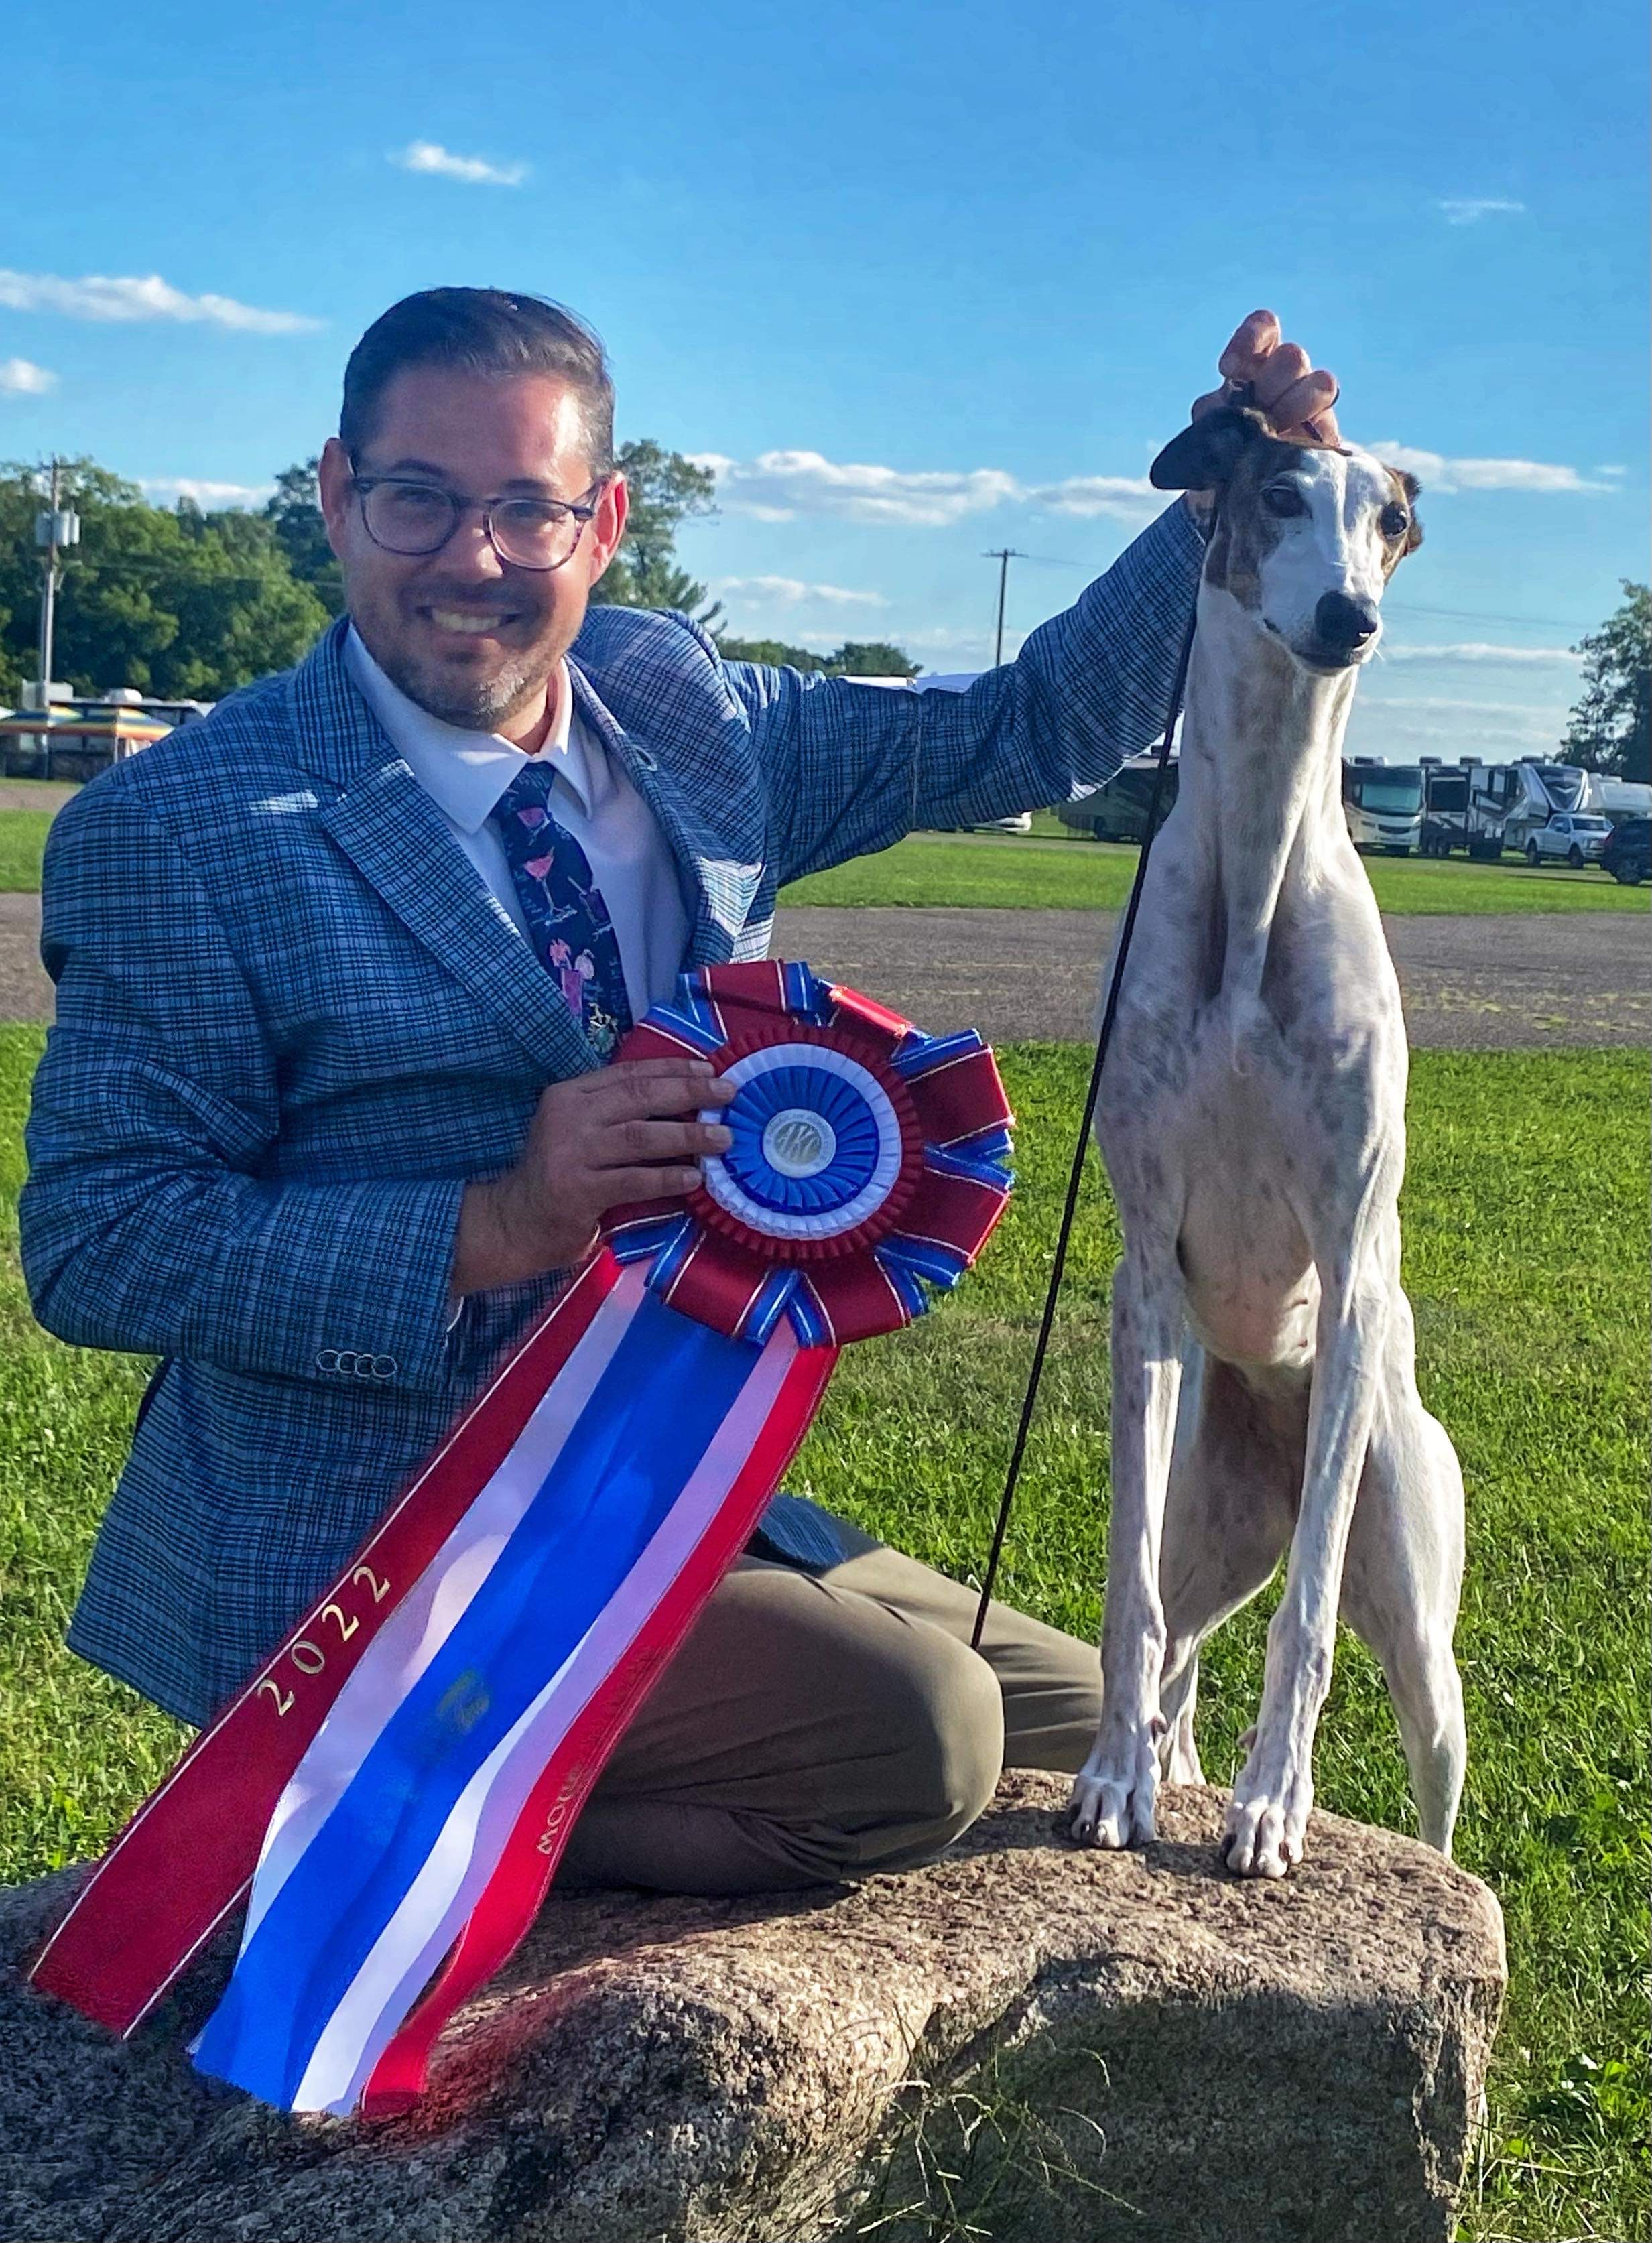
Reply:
x=185, y=603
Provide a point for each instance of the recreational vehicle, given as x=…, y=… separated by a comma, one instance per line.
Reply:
x=1487, y=808
x=1383, y=803
x=1118, y=811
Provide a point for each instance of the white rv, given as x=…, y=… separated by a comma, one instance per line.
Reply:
x=1487, y=808
x=1383, y=803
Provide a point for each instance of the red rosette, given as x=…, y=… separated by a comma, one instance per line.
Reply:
x=736, y=1262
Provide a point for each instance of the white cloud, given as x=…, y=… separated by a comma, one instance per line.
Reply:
x=1477, y=650
x=475, y=171
x=207, y=495
x=791, y=592
x=20, y=377
x=779, y=486
x=1438, y=473
x=97, y=296
x=1468, y=209
x=1121, y=498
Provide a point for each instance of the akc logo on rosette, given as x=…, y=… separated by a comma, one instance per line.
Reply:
x=868, y=1166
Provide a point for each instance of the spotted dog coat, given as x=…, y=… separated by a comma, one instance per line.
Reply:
x=1252, y=1121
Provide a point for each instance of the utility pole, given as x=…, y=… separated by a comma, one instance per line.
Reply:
x=1003, y=555
x=58, y=527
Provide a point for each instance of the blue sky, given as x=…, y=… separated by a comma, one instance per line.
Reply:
x=921, y=278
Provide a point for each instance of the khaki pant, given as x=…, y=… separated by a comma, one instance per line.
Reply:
x=816, y=1727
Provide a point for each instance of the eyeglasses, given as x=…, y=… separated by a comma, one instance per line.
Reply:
x=409, y=517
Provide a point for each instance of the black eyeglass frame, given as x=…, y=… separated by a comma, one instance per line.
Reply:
x=581, y=510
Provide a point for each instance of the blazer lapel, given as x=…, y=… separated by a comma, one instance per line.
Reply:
x=399, y=841
x=719, y=889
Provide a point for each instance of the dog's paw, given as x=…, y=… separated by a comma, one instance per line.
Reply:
x=1265, y=1831
x=1113, y=1796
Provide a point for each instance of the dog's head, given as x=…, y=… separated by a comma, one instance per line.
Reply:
x=1307, y=537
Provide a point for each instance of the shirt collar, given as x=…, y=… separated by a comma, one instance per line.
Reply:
x=464, y=773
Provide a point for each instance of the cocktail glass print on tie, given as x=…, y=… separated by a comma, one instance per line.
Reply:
x=566, y=916
x=392, y=1792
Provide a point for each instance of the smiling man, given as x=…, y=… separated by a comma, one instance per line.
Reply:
x=327, y=1116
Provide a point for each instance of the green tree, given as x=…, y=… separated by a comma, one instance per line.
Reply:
x=854, y=658
x=666, y=490
x=1611, y=726
x=295, y=513
x=872, y=657
x=175, y=603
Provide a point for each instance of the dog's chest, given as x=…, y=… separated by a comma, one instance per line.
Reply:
x=1230, y=1165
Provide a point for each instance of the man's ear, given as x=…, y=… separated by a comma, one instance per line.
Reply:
x=1203, y=456
x=335, y=484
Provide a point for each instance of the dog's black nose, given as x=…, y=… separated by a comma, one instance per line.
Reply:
x=1344, y=622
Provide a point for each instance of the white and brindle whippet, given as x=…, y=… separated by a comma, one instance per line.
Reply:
x=1252, y=1121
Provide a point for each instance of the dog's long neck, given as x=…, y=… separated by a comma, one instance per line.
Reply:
x=1261, y=775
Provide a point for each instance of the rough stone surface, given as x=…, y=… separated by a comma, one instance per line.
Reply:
x=1058, y=2046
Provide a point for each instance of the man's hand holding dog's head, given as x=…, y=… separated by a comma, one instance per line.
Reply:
x=1280, y=379
x=1298, y=398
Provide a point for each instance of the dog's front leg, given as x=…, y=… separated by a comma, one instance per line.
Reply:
x=1115, y=1793
x=1268, y=1817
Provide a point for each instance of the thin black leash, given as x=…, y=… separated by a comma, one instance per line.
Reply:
x=1076, y=1176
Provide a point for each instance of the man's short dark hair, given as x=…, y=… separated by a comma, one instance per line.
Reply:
x=486, y=330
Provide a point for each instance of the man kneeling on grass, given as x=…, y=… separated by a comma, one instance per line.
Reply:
x=327, y=1116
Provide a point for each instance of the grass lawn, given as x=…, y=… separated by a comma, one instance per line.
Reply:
x=1042, y=872
x=1525, y=1208
x=1039, y=872
x=23, y=836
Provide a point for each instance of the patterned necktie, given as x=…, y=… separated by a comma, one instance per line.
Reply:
x=563, y=906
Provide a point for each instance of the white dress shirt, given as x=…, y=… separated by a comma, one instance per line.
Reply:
x=465, y=773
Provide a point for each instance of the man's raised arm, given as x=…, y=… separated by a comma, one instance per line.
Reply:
x=854, y=767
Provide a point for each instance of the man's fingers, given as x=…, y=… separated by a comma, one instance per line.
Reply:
x=1278, y=372
x=632, y=1141
x=1306, y=399
x=1323, y=430
x=641, y=1087
x=1251, y=342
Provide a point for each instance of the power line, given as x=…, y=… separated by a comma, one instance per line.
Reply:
x=1485, y=615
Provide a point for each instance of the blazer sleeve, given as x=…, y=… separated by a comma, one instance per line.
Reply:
x=149, y=1220
x=852, y=768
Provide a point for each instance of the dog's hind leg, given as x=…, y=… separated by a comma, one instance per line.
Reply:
x=1113, y=1796
x=1235, y=1479
x=1401, y=1587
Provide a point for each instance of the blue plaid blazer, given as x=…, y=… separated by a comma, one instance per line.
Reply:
x=292, y=1023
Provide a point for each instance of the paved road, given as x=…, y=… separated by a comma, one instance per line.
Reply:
x=1470, y=984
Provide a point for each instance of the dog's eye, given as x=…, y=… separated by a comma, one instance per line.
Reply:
x=1394, y=521
x=1284, y=500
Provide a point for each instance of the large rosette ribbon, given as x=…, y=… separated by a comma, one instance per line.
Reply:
x=396, y=1785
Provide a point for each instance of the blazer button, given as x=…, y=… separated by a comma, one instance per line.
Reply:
x=384, y=1366
x=327, y=1359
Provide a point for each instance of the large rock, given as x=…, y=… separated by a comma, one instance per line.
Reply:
x=1051, y=2044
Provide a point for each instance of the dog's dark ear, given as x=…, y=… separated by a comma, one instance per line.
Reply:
x=1203, y=456
x=1411, y=487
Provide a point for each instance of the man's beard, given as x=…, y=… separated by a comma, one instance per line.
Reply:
x=472, y=703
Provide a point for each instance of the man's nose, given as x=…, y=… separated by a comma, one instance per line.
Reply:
x=1344, y=622
x=470, y=551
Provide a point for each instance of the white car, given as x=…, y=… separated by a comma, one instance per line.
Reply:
x=1574, y=837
